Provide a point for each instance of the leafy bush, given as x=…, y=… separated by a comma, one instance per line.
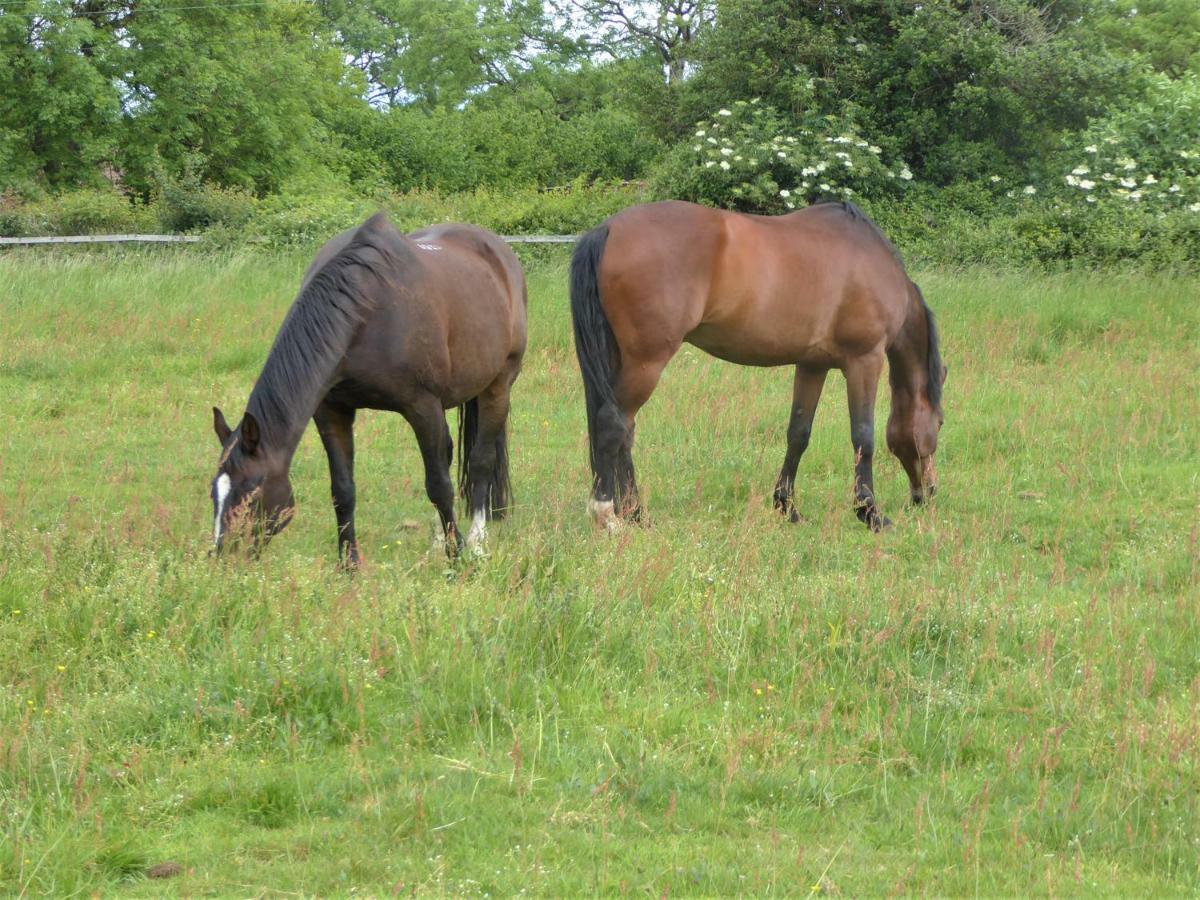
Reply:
x=745, y=158
x=187, y=204
x=1148, y=153
x=91, y=211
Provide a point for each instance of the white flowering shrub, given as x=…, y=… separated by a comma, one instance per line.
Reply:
x=1146, y=155
x=745, y=158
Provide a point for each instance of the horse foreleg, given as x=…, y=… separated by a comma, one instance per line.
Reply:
x=862, y=380
x=428, y=421
x=806, y=393
x=335, y=425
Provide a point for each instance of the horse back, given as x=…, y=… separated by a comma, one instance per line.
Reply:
x=817, y=286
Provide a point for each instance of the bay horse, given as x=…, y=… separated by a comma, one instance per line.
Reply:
x=820, y=288
x=415, y=324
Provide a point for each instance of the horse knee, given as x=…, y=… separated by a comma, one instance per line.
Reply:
x=863, y=437
x=798, y=436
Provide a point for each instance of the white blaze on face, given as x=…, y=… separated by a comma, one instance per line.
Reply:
x=477, y=536
x=223, y=488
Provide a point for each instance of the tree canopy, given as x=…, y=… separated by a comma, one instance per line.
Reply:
x=461, y=93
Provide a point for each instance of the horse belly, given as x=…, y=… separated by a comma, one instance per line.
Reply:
x=764, y=330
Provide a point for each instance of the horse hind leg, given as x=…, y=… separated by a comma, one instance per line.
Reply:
x=616, y=496
x=862, y=382
x=484, y=451
x=806, y=393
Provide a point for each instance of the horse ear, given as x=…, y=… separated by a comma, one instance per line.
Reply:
x=250, y=433
x=220, y=426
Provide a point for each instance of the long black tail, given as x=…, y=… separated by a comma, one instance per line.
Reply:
x=499, y=488
x=595, y=345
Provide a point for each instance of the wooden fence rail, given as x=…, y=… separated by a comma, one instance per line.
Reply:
x=192, y=239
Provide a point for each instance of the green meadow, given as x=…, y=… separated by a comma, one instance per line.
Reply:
x=1000, y=695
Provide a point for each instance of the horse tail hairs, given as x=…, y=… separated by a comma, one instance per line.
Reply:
x=595, y=345
x=499, y=488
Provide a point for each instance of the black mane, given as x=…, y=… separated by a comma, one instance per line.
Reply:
x=316, y=332
x=859, y=216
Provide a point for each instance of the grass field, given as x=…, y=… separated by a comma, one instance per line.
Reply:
x=1000, y=695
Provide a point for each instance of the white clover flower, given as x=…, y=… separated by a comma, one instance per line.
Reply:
x=1090, y=198
x=906, y=174
x=1086, y=185
x=804, y=184
x=725, y=151
x=1009, y=193
x=791, y=205
x=1080, y=170
x=995, y=179
x=725, y=165
x=1150, y=179
x=874, y=149
x=848, y=163
x=701, y=133
x=808, y=170
x=781, y=155
x=1091, y=148
x=860, y=143
x=790, y=139
x=823, y=187
x=1108, y=176
x=1127, y=164
x=891, y=174
x=697, y=146
x=1072, y=180
x=1110, y=140
x=860, y=48
x=822, y=166
x=738, y=157
x=710, y=164
x=1029, y=189
x=785, y=193
x=724, y=112
x=752, y=161
x=842, y=154
x=1135, y=195
x=712, y=140
x=840, y=139
x=1194, y=207
x=1173, y=189
x=1128, y=182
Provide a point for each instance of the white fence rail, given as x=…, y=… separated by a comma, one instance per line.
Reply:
x=192, y=239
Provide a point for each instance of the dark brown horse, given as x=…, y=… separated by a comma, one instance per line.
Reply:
x=413, y=323
x=818, y=289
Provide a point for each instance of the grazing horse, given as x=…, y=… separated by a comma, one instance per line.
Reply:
x=821, y=288
x=412, y=323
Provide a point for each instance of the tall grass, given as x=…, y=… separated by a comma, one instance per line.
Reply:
x=997, y=696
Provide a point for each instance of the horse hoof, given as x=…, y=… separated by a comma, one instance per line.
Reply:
x=604, y=515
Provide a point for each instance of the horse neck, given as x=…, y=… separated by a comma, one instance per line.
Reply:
x=289, y=389
x=908, y=357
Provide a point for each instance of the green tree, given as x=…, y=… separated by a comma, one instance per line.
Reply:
x=59, y=110
x=441, y=53
x=960, y=88
x=1166, y=33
